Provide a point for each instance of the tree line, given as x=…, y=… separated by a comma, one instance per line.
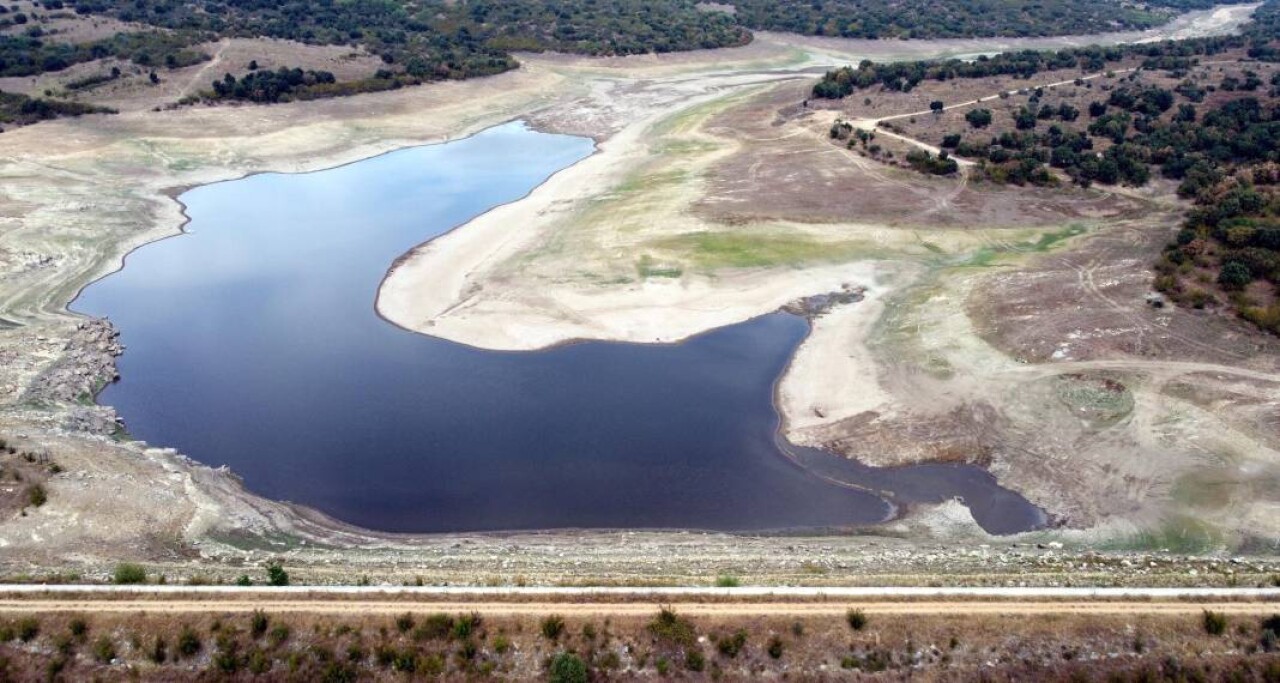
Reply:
x=25, y=55
x=956, y=19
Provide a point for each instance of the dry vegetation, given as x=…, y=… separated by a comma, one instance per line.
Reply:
x=665, y=643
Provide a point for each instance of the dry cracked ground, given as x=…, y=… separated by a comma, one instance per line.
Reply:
x=1005, y=327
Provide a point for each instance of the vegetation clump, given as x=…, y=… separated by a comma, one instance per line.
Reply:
x=567, y=667
x=1214, y=623
x=129, y=573
x=552, y=627
x=672, y=628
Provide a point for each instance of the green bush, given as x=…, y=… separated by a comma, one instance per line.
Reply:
x=27, y=629
x=436, y=626
x=857, y=619
x=672, y=628
x=405, y=622
x=552, y=627
x=465, y=626
x=730, y=646
x=694, y=660
x=567, y=667
x=159, y=651
x=188, y=642
x=104, y=650
x=727, y=581
x=258, y=623
x=279, y=633
x=775, y=647
x=276, y=575
x=1234, y=276
x=129, y=573
x=37, y=496
x=1215, y=623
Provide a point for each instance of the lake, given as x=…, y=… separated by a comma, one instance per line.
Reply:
x=252, y=342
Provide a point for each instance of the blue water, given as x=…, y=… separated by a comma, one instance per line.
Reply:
x=252, y=342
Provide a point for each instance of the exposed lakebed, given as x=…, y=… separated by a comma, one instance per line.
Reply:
x=253, y=343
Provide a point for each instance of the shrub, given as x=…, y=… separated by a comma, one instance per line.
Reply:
x=1234, y=275
x=406, y=661
x=730, y=646
x=188, y=642
x=694, y=660
x=258, y=623
x=567, y=667
x=129, y=573
x=159, y=651
x=501, y=644
x=857, y=619
x=244, y=580
x=552, y=626
x=727, y=581
x=435, y=627
x=404, y=622
x=336, y=672
x=37, y=496
x=978, y=118
x=104, y=650
x=775, y=647
x=465, y=626
x=78, y=627
x=672, y=628
x=276, y=575
x=27, y=629
x=1215, y=623
x=257, y=661
x=279, y=633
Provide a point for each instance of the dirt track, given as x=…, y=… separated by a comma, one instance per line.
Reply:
x=618, y=609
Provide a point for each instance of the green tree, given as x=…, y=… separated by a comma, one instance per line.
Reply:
x=978, y=118
x=1234, y=276
x=276, y=575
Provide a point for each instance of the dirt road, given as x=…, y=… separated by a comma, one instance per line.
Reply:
x=619, y=609
x=634, y=601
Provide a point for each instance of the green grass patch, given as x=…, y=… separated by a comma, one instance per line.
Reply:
x=647, y=267
x=713, y=250
x=1180, y=534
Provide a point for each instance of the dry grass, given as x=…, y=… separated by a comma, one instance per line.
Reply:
x=312, y=646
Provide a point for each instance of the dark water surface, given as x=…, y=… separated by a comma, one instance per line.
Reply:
x=253, y=343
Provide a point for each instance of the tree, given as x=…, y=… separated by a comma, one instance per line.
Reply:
x=276, y=575
x=1234, y=275
x=936, y=106
x=1025, y=119
x=978, y=118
